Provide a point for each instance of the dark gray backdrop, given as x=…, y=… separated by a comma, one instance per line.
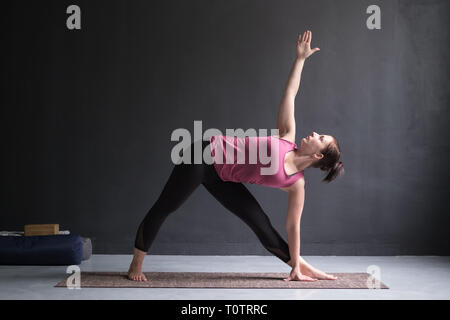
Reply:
x=87, y=117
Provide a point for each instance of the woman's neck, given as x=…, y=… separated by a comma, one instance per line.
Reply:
x=300, y=160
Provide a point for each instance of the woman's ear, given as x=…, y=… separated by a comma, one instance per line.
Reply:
x=318, y=156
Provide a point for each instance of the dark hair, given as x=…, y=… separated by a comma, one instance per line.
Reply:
x=330, y=161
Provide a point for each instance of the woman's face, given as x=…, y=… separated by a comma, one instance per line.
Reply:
x=315, y=142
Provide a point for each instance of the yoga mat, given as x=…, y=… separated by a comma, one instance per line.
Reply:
x=222, y=280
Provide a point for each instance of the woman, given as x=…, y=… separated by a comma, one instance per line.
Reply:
x=225, y=183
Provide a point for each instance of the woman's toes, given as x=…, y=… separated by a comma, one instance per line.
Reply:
x=137, y=276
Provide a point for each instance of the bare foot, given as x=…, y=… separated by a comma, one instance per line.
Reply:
x=310, y=271
x=135, y=272
x=314, y=273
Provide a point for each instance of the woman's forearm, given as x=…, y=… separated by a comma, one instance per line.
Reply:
x=293, y=235
x=293, y=82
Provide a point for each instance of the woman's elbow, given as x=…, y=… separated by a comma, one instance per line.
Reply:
x=293, y=226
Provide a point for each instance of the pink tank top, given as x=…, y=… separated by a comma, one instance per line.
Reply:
x=255, y=160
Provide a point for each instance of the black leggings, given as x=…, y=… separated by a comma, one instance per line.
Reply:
x=184, y=179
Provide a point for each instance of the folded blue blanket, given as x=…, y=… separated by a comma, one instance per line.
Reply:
x=41, y=250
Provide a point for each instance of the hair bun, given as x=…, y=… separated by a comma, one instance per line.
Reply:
x=338, y=165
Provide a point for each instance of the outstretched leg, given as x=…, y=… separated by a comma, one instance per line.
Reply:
x=182, y=182
x=184, y=179
x=238, y=199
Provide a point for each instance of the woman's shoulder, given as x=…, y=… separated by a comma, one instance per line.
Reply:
x=297, y=185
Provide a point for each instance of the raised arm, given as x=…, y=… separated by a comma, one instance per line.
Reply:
x=286, y=111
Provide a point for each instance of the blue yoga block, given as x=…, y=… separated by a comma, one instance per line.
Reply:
x=41, y=250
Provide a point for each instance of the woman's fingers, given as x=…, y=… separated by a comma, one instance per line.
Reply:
x=306, y=37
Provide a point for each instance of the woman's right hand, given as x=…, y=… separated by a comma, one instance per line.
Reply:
x=296, y=275
x=304, y=45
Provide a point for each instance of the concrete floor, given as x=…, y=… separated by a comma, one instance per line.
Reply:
x=408, y=277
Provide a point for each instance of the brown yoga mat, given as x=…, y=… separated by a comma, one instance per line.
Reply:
x=222, y=280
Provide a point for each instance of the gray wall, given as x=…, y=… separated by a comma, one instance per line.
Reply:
x=87, y=117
